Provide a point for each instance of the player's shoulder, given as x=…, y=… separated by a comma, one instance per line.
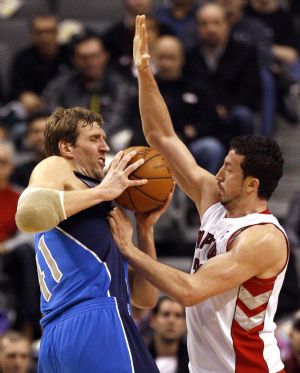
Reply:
x=53, y=163
x=50, y=171
x=264, y=235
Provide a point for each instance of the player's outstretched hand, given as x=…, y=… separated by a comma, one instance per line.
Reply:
x=121, y=229
x=149, y=219
x=140, y=44
x=117, y=178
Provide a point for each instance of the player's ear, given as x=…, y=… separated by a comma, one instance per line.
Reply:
x=252, y=184
x=66, y=149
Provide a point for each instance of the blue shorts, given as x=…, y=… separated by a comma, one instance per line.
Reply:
x=95, y=336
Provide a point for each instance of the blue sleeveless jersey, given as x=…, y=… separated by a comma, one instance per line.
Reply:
x=84, y=290
x=79, y=261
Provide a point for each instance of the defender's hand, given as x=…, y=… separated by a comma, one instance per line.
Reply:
x=140, y=44
x=121, y=229
x=147, y=220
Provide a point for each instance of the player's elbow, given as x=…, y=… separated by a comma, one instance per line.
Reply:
x=189, y=294
x=33, y=219
x=153, y=138
x=39, y=209
x=145, y=302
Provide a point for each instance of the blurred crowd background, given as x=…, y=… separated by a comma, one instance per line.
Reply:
x=228, y=68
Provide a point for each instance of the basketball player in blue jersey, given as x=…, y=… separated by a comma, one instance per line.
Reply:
x=85, y=296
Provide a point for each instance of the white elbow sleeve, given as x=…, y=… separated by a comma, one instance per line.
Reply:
x=40, y=209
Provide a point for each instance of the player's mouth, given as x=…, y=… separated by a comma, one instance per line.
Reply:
x=101, y=161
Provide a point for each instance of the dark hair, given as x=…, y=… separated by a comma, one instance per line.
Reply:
x=86, y=35
x=156, y=309
x=44, y=15
x=63, y=125
x=263, y=160
x=37, y=115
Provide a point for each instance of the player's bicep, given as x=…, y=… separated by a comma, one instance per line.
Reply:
x=196, y=182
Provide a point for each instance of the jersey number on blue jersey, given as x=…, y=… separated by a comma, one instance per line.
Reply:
x=52, y=265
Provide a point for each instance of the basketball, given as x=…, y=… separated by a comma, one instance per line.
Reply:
x=160, y=182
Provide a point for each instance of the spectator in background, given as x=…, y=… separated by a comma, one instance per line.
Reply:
x=179, y=15
x=16, y=250
x=292, y=363
x=289, y=299
x=34, y=66
x=286, y=65
x=118, y=39
x=185, y=107
x=15, y=353
x=168, y=347
x=248, y=29
x=33, y=144
x=91, y=84
x=225, y=72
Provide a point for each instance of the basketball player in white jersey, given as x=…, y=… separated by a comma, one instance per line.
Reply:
x=241, y=252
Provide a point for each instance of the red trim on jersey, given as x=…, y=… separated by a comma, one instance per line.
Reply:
x=248, y=311
x=248, y=348
x=257, y=286
x=247, y=344
x=266, y=211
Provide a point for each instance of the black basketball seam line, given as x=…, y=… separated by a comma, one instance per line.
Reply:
x=133, y=205
x=147, y=195
x=149, y=159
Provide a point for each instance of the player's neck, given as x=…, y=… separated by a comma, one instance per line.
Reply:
x=246, y=208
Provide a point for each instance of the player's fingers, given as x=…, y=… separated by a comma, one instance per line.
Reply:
x=134, y=166
x=144, y=40
x=126, y=158
x=116, y=160
x=137, y=182
x=137, y=26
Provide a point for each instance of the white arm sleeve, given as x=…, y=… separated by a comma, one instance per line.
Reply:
x=40, y=209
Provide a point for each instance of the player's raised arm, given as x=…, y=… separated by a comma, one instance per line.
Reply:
x=199, y=184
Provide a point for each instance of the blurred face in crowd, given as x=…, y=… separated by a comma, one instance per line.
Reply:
x=233, y=8
x=35, y=135
x=6, y=162
x=183, y=3
x=90, y=59
x=168, y=57
x=44, y=34
x=136, y=7
x=264, y=6
x=213, y=27
x=169, y=322
x=14, y=356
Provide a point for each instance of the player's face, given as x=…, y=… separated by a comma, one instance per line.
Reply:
x=15, y=356
x=89, y=152
x=230, y=179
x=169, y=322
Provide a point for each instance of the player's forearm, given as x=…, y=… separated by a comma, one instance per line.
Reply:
x=154, y=113
x=144, y=294
x=169, y=280
x=78, y=200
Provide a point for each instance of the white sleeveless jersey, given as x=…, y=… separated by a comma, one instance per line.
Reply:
x=233, y=331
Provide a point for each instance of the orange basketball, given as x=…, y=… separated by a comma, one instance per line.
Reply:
x=160, y=182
